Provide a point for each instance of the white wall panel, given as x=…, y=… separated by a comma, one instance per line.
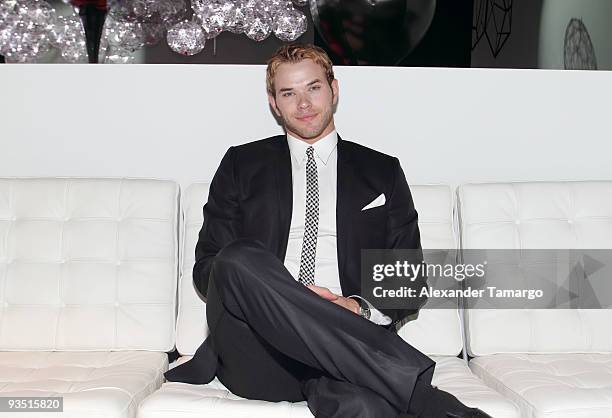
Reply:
x=176, y=121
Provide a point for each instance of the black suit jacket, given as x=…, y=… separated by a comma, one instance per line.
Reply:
x=251, y=196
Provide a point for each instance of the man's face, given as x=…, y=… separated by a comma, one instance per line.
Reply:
x=304, y=100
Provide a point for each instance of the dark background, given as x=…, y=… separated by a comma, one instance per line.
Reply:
x=447, y=43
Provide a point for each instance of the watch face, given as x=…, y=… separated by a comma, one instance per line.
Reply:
x=364, y=311
x=578, y=51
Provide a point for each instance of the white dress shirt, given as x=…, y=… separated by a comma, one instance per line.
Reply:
x=326, y=258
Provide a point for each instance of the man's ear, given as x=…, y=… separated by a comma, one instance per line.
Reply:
x=335, y=90
x=272, y=101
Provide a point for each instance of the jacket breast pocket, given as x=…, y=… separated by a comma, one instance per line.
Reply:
x=374, y=215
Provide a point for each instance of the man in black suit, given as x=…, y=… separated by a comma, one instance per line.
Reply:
x=278, y=261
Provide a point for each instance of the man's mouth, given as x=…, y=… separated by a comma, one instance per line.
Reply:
x=306, y=118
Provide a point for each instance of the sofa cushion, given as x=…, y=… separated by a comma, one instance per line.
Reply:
x=434, y=204
x=93, y=384
x=453, y=375
x=191, y=326
x=182, y=400
x=76, y=252
x=214, y=400
x=546, y=215
x=537, y=215
x=551, y=385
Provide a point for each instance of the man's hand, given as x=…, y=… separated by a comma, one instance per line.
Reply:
x=347, y=303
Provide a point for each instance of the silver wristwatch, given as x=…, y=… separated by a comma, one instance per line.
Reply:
x=364, y=310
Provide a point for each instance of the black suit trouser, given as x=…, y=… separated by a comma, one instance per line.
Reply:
x=277, y=340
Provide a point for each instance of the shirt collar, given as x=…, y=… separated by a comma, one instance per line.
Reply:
x=323, y=148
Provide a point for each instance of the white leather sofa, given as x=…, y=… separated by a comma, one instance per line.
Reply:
x=552, y=363
x=88, y=283
x=437, y=332
x=88, y=272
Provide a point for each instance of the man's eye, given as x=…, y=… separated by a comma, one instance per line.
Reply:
x=287, y=94
x=315, y=88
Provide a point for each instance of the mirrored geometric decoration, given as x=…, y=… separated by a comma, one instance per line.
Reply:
x=578, y=51
x=479, y=21
x=492, y=19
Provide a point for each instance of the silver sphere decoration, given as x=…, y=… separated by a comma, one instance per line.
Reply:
x=215, y=16
x=168, y=12
x=259, y=22
x=29, y=29
x=25, y=29
x=8, y=24
x=186, y=38
x=117, y=55
x=289, y=25
x=276, y=6
x=237, y=19
x=68, y=36
x=172, y=12
x=125, y=35
x=152, y=33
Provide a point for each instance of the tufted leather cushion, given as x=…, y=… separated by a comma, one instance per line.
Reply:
x=533, y=356
x=551, y=385
x=87, y=264
x=538, y=215
x=435, y=207
x=93, y=384
x=214, y=400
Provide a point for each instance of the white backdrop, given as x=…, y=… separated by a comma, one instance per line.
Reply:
x=176, y=121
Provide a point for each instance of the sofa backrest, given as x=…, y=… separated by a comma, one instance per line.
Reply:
x=191, y=325
x=537, y=215
x=435, y=332
x=87, y=264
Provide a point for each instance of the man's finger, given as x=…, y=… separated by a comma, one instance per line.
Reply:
x=323, y=292
x=347, y=304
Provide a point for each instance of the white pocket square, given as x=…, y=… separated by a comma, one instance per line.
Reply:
x=379, y=201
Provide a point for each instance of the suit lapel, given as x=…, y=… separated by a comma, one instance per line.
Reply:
x=284, y=189
x=345, y=177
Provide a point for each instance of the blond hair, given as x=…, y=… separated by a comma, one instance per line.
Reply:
x=295, y=53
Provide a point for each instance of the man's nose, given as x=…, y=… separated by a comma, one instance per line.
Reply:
x=303, y=102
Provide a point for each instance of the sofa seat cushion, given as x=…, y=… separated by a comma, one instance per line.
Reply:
x=551, y=385
x=93, y=384
x=213, y=400
x=176, y=399
x=454, y=376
